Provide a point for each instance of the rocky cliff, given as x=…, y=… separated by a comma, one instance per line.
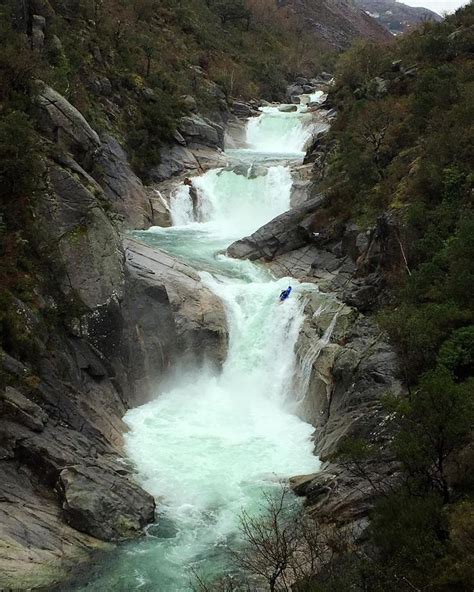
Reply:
x=346, y=363
x=107, y=320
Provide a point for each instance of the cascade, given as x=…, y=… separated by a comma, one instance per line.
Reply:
x=212, y=443
x=277, y=132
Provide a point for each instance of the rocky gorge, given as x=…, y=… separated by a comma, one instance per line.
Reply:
x=137, y=311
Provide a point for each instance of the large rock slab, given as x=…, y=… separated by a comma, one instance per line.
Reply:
x=175, y=159
x=99, y=503
x=168, y=313
x=37, y=548
x=121, y=186
x=284, y=233
x=87, y=241
x=198, y=130
x=66, y=126
x=19, y=409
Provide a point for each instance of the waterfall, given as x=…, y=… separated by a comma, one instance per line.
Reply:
x=212, y=443
x=232, y=204
x=277, y=132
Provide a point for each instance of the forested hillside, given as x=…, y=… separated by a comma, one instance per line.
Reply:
x=127, y=65
x=403, y=147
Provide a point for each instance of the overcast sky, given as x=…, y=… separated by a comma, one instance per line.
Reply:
x=439, y=6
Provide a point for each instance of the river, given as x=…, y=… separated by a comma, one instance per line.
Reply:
x=213, y=443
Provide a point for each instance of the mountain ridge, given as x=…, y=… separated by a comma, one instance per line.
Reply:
x=397, y=17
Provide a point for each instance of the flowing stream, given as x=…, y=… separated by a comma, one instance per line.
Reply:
x=213, y=443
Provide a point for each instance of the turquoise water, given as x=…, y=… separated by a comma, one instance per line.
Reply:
x=213, y=443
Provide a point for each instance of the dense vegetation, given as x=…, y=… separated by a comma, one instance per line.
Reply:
x=404, y=144
x=126, y=65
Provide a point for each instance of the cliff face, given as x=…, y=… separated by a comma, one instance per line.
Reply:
x=338, y=22
x=395, y=16
x=106, y=321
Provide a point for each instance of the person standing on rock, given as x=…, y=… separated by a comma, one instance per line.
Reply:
x=194, y=195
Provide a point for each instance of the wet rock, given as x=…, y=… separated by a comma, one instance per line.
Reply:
x=288, y=108
x=66, y=126
x=122, y=187
x=250, y=172
x=98, y=503
x=17, y=408
x=168, y=311
x=346, y=387
x=284, y=233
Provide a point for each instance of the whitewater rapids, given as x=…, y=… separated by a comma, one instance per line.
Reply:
x=212, y=443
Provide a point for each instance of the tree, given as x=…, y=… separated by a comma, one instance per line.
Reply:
x=232, y=10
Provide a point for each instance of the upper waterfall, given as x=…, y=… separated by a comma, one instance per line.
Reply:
x=232, y=204
x=279, y=132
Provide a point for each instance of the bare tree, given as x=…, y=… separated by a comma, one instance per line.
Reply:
x=270, y=542
x=282, y=548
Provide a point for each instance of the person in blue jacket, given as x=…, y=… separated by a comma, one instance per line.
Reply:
x=285, y=293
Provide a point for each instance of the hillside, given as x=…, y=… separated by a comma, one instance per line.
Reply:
x=396, y=16
x=401, y=163
x=338, y=22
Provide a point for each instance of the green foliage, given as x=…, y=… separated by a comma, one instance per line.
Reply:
x=457, y=353
x=19, y=159
x=434, y=425
x=408, y=148
x=357, y=66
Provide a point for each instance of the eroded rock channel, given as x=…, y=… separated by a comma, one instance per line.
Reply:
x=230, y=391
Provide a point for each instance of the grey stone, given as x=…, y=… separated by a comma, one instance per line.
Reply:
x=66, y=126
x=19, y=409
x=175, y=160
x=294, y=90
x=38, y=26
x=189, y=103
x=97, y=501
x=241, y=109
x=199, y=316
x=288, y=108
x=87, y=242
x=284, y=233
x=122, y=187
x=198, y=130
